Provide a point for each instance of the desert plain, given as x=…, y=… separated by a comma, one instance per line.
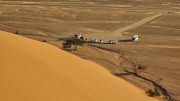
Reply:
x=157, y=22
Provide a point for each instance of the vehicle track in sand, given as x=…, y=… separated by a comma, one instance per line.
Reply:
x=119, y=31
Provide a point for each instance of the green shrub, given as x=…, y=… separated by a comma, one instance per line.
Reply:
x=157, y=92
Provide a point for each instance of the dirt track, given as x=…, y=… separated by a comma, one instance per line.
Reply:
x=137, y=24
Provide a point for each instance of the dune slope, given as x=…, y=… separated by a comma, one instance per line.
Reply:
x=35, y=71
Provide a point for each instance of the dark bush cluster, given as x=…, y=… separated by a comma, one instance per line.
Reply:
x=17, y=32
x=43, y=40
x=154, y=92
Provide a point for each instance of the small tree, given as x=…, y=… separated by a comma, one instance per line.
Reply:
x=74, y=42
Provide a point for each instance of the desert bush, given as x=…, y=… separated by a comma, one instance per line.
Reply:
x=43, y=40
x=154, y=92
x=137, y=67
x=17, y=32
x=141, y=67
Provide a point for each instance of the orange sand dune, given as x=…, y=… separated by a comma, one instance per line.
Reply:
x=35, y=71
